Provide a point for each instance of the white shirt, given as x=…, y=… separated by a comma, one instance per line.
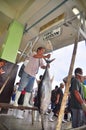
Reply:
x=33, y=65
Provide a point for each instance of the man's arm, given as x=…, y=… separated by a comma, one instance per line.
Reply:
x=57, y=99
x=42, y=56
x=80, y=100
x=78, y=97
x=2, y=71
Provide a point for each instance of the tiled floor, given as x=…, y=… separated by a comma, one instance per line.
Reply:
x=10, y=122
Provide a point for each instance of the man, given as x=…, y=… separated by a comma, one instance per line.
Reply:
x=57, y=102
x=77, y=100
x=53, y=97
x=58, y=99
x=53, y=100
x=2, y=63
x=29, y=74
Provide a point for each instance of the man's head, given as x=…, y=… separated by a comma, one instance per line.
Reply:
x=61, y=85
x=79, y=74
x=2, y=63
x=78, y=71
x=56, y=87
x=41, y=50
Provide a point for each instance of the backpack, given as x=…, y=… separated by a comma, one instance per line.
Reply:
x=53, y=96
x=21, y=99
x=21, y=70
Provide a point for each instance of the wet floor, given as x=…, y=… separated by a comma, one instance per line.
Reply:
x=10, y=122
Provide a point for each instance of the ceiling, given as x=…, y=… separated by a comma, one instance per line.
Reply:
x=40, y=18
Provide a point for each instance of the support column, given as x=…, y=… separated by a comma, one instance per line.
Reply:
x=12, y=42
x=64, y=100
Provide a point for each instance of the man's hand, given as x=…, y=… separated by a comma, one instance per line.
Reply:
x=2, y=71
x=84, y=107
x=47, y=56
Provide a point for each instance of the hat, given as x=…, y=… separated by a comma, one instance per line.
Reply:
x=78, y=71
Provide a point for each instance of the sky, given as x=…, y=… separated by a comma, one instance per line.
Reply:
x=59, y=68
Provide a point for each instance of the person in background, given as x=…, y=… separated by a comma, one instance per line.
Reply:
x=53, y=100
x=2, y=63
x=77, y=98
x=29, y=74
x=53, y=97
x=58, y=101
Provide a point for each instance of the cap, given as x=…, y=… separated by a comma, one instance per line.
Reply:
x=78, y=71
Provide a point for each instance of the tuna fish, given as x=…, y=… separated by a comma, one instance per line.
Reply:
x=44, y=93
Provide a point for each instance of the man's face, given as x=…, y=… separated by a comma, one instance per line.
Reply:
x=2, y=64
x=42, y=51
x=62, y=85
x=81, y=77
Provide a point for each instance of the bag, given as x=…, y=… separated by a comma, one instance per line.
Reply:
x=21, y=99
x=21, y=70
x=53, y=96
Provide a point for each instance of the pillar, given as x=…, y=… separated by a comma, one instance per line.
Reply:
x=12, y=42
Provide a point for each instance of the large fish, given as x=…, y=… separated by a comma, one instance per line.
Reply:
x=44, y=92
